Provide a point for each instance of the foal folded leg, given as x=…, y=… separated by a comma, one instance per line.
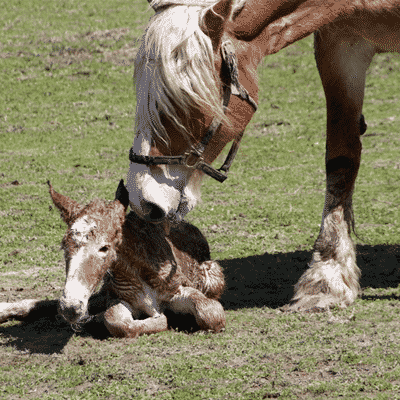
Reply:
x=120, y=322
x=209, y=313
x=333, y=276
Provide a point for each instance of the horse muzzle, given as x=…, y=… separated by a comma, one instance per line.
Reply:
x=153, y=212
x=151, y=200
x=73, y=311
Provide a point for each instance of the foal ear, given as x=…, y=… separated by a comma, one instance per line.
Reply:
x=214, y=21
x=122, y=194
x=68, y=208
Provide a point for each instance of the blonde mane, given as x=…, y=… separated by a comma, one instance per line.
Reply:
x=174, y=68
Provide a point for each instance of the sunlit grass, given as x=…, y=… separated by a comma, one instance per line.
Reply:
x=66, y=115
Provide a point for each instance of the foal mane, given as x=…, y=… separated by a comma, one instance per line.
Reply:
x=174, y=68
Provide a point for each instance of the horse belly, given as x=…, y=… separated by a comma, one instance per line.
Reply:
x=381, y=31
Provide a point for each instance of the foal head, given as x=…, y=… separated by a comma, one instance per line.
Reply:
x=181, y=84
x=94, y=231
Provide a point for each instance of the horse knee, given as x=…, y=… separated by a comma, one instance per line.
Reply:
x=209, y=313
x=119, y=322
x=341, y=173
x=341, y=162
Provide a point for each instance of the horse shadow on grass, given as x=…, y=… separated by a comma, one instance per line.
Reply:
x=42, y=333
x=45, y=332
x=255, y=281
x=269, y=279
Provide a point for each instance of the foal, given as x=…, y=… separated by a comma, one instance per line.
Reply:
x=145, y=269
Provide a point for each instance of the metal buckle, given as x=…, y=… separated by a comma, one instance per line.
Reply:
x=196, y=162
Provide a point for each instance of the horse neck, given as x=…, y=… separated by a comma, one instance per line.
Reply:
x=271, y=26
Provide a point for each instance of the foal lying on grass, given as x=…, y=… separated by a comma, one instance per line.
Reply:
x=145, y=269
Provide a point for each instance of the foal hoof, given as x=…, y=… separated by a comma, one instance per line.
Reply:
x=211, y=316
x=313, y=304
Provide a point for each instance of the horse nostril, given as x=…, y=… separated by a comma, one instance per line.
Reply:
x=152, y=212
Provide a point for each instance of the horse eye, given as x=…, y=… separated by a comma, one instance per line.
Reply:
x=104, y=249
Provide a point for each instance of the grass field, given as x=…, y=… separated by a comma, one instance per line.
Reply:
x=67, y=113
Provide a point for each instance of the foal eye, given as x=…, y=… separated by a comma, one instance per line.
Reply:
x=103, y=249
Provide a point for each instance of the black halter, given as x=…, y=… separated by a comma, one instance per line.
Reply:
x=193, y=158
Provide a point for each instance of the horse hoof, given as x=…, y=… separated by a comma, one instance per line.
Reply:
x=313, y=304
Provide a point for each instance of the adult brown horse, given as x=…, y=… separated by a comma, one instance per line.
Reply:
x=196, y=85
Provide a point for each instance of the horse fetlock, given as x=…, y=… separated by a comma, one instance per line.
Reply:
x=326, y=284
x=332, y=278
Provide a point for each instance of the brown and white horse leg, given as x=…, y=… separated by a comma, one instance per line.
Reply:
x=209, y=313
x=35, y=309
x=120, y=321
x=29, y=308
x=333, y=276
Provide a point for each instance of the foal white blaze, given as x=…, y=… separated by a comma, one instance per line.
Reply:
x=79, y=286
x=81, y=229
x=76, y=291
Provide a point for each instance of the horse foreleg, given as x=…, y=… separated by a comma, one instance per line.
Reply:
x=333, y=276
x=209, y=313
x=120, y=322
x=26, y=309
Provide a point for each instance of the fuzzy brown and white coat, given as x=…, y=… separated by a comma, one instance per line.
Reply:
x=145, y=270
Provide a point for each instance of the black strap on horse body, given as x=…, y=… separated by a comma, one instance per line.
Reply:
x=194, y=157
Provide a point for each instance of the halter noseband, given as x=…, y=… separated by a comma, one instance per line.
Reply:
x=193, y=158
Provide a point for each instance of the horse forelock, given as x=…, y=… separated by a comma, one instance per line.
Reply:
x=174, y=69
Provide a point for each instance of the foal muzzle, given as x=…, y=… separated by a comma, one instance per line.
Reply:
x=74, y=312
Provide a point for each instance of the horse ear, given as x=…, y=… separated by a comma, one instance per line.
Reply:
x=122, y=194
x=68, y=208
x=214, y=21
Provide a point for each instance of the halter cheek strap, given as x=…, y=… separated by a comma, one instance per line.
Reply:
x=193, y=158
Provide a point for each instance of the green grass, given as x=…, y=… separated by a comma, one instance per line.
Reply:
x=67, y=113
